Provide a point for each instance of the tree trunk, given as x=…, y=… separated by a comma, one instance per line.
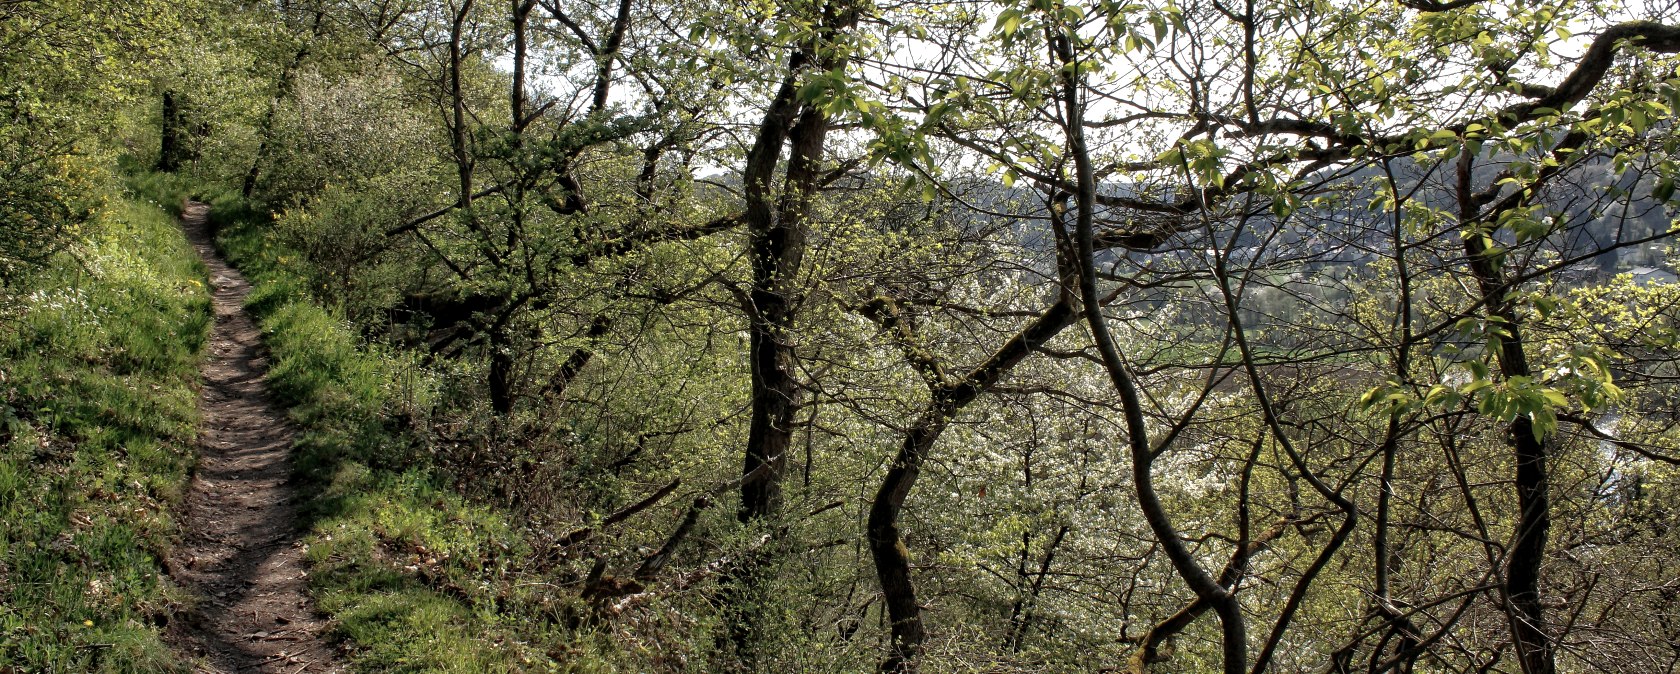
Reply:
x=886, y=542
x=1534, y=519
x=265, y=128
x=169, y=148
x=1233, y=632
x=777, y=246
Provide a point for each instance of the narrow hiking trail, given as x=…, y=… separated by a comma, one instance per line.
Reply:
x=239, y=551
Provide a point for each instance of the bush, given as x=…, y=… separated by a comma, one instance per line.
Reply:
x=413, y=573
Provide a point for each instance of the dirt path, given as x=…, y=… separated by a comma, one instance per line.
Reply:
x=239, y=551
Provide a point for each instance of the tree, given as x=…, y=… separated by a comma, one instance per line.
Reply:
x=68, y=69
x=1240, y=336
x=1276, y=158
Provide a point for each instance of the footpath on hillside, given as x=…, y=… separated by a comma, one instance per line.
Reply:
x=239, y=551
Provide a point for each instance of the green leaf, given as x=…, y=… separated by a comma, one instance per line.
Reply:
x=1664, y=190
x=1008, y=22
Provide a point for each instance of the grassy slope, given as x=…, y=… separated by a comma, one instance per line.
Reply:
x=98, y=409
x=417, y=578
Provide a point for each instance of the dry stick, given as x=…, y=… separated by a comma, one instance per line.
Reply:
x=1587, y=425
x=1425, y=643
x=585, y=532
x=651, y=565
x=637, y=598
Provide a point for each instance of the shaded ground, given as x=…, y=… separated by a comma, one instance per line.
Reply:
x=240, y=551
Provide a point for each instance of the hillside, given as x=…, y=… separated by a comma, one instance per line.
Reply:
x=837, y=336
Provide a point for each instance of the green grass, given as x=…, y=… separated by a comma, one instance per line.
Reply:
x=98, y=411
x=99, y=360
x=417, y=578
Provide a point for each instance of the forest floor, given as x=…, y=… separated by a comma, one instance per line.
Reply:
x=240, y=551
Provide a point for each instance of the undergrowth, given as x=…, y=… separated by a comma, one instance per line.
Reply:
x=416, y=577
x=99, y=363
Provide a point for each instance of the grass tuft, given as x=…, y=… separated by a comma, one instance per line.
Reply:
x=98, y=411
x=417, y=578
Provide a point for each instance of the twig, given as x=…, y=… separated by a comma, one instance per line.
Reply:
x=585, y=532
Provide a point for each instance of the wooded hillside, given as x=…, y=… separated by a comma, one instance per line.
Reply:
x=979, y=336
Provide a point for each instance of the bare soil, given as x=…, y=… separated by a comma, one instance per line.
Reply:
x=240, y=551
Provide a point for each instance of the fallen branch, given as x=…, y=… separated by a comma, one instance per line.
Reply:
x=684, y=582
x=584, y=533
